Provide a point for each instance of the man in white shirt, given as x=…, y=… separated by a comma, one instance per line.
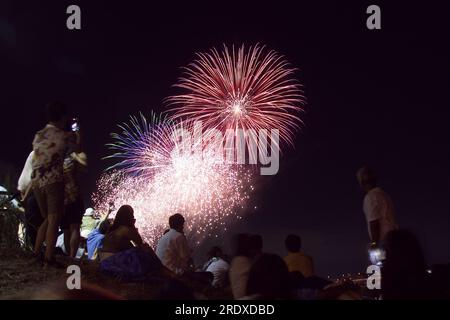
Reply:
x=378, y=207
x=172, y=248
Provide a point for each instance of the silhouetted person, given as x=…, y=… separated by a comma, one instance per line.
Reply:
x=296, y=260
x=50, y=146
x=255, y=243
x=74, y=162
x=124, y=254
x=403, y=275
x=172, y=248
x=269, y=279
x=33, y=218
x=240, y=265
x=378, y=207
x=122, y=235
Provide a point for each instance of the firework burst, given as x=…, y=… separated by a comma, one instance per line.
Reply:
x=246, y=89
x=142, y=146
x=158, y=180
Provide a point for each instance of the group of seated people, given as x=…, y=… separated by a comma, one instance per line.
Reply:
x=251, y=273
x=254, y=274
x=122, y=253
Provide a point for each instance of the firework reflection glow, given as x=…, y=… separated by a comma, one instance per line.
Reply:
x=157, y=181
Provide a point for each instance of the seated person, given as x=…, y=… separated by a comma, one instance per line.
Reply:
x=122, y=235
x=269, y=279
x=124, y=254
x=404, y=273
x=218, y=267
x=296, y=260
x=95, y=239
x=172, y=248
x=240, y=265
x=255, y=246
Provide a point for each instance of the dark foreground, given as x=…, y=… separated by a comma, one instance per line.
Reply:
x=23, y=278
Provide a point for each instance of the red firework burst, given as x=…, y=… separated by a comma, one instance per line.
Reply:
x=245, y=89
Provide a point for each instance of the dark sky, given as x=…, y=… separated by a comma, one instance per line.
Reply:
x=375, y=97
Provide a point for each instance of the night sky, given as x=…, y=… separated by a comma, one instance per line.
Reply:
x=374, y=97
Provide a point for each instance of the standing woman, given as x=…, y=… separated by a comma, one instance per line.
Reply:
x=50, y=146
x=74, y=162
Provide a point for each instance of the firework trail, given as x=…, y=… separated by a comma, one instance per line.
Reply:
x=157, y=181
x=143, y=146
x=247, y=89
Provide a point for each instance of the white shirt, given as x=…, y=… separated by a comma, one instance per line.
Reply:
x=25, y=176
x=219, y=268
x=173, y=251
x=378, y=206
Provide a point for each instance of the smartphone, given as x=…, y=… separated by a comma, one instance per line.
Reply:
x=75, y=127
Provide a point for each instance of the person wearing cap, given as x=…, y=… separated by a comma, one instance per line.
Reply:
x=89, y=222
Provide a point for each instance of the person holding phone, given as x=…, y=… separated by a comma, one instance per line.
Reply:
x=50, y=145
